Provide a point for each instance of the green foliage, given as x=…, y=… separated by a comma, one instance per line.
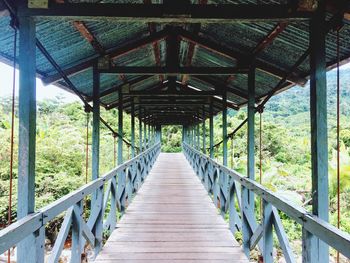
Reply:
x=171, y=138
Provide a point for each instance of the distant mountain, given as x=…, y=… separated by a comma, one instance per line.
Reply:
x=297, y=99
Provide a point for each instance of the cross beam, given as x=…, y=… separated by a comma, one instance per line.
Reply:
x=173, y=93
x=162, y=13
x=129, y=70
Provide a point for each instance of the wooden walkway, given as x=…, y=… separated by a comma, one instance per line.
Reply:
x=172, y=219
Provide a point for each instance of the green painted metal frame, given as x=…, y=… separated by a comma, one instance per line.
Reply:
x=315, y=250
x=209, y=172
x=134, y=171
x=30, y=247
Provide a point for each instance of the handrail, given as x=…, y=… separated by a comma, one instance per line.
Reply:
x=132, y=174
x=209, y=171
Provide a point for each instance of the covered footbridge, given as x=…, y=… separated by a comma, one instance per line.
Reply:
x=173, y=62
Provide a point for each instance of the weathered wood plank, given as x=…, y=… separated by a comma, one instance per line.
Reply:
x=172, y=219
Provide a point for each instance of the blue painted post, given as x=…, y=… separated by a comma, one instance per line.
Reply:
x=120, y=127
x=248, y=196
x=144, y=133
x=315, y=250
x=140, y=131
x=160, y=133
x=224, y=129
x=194, y=140
x=77, y=233
x=121, y=175
x=223, y=177
x=211, y=132
x=183, y=133
x=132, y=130
x=31, y=249
x=198, y=137
x=96, y=124
x=149, y=135
x=97, y=197
x=267, y=233
x=203, y=131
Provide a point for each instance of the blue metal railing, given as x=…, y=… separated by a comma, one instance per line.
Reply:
x=228, y=195
x=131, y=175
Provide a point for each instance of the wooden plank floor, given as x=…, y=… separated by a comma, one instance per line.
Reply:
x=172, y=219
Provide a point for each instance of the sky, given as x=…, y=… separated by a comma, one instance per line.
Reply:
x=43, y=92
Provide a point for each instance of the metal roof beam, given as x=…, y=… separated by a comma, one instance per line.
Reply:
x=90, y=37
x=129, y=70
x=222, y=87
x=116, y=88
x=113, y=52
x=160, y=13
x=156, y=49
x=172, y=93
x=269, y=38
x=243, y=59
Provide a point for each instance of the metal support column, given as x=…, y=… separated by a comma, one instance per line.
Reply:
x=30, y=249
x=248, y=196
x=121, y=193
x=203, y=132
x=120, y=127
x=198, y=137
x=149, y=135
x=132, y=130
x=315, y=250
x=211, y=132
x=144, y=133
x=224, y=129
x=97, y=197
x=140, y=131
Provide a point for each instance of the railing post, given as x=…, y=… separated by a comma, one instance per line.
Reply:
x=267, y=233
x=30, y=249
x=315, y=250
x=97, y=197
x=77, y=232
x=248, y=196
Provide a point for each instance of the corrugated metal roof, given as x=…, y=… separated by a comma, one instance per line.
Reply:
x=70, y=49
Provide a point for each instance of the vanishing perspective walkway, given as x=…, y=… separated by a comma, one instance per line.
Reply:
x=172, y=219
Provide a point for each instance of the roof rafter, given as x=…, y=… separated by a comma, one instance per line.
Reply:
x=116, y=88
x=191, y=47
x=91, y=38
x=112, y=53
x=156, y=49
x=241, y=58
